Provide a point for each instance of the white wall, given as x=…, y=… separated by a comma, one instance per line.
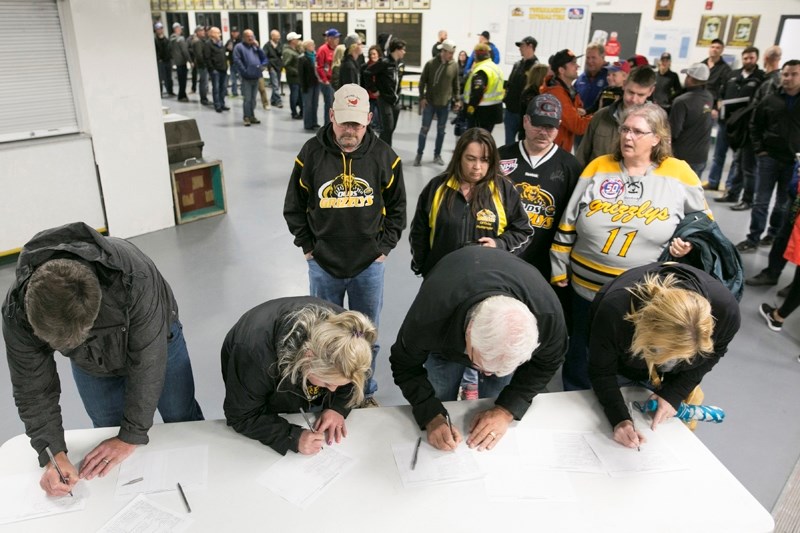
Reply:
x=119, y=83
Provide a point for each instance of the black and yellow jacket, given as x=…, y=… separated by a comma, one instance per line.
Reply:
x=346, y=208
x=439, y=228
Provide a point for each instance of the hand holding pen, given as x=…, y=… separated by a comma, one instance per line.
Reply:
x=310, y=441
x=59, y=478
x=441, y=433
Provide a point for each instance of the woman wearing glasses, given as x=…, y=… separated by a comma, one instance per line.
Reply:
x=621, y=215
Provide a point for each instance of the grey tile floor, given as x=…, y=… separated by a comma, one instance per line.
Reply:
x=222, y=266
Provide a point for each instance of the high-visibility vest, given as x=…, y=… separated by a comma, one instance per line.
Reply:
x=494, y=88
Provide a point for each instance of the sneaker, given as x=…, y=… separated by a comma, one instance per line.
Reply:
x=246, y=121
x=784, y=292
x=418, y=160
x=279, y=106
x=747, y=246
x=767, y=312
x=267, y=107
x=709, y=187
x=470, y=392
x=226, y=108
x=368, y=403
x=254, y=120
x=727, y=198
x=741, y=206
x=766, y=241
x=183, y=99
x=761, y=279
x=438, y=160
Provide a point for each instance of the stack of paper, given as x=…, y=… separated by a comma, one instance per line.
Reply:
x=21, y=498
x=435, y=466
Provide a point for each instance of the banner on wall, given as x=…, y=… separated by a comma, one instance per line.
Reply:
x=559, y=26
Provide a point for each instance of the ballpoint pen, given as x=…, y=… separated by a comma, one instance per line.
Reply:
x=449, y=424
x=55, y=465
x=416, y=454
x=633, y=425
x=183, y=496
x=308, y=420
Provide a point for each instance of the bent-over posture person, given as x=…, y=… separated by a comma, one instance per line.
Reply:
x=662, y=325
x=291, y=354
x=102, y=303
x=485, y=309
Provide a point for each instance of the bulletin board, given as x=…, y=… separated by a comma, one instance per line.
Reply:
x=559, y=26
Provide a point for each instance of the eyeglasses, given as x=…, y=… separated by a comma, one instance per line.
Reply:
x=548, y=129
x=354, y=126
x=637, y=134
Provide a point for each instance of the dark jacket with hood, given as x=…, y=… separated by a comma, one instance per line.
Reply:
x=438, y=317
x=346, y=208
x=255, y=393
x=610, y=338
x=442, y=225
x=350, y=71
x=129, y=336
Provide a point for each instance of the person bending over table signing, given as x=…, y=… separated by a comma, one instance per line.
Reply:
x=485, y=309
x=662, y=325
x=102, y=303
x=290, y=354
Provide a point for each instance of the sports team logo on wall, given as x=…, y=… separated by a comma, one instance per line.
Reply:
x=345, y=190
x=507, y=166
x=611, y=188
x=539, y=205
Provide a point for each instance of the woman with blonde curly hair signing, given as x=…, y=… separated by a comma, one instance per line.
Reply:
x=291, y=354
x=664, y=326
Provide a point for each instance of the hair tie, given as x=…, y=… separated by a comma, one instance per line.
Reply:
x=358, y=334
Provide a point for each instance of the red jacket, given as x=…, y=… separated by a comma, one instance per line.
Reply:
x=792, y=252
x=324, y=63
x=572, y=123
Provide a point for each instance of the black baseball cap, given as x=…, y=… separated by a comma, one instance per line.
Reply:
x=559, y=59
x=527, y=40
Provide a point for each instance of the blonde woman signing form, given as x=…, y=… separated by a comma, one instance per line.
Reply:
x=290, y=354
x=663, y=325
x=621, y=215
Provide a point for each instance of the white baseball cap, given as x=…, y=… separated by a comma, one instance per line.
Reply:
x=292, y=36
x=351, y=104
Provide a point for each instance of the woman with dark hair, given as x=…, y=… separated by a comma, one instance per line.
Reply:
x=621, y=215
x=291, y=354
x=533, y=80
x=471, y=203
x=368, y=82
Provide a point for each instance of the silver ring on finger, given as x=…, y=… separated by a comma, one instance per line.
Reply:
x=493, y=434
x=106, y=461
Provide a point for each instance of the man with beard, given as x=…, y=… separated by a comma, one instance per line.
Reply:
x=346, y=207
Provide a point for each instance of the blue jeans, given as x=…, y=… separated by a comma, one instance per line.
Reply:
x=376, y=116
x=249, y=90
x=165, y=76
x=327, y=96
x=445, y=377
x=720, y=153
x=441, y=113
x=744, y=179
x=235, y=78
x=364, y=294
x=771, y=172
x=104, y=397
x=513, y=123
x=698, y=168
x=202, y=74
x=295, y=100
x=575, y=372
x=275, y=83
x=310, y=107
x=218, y=88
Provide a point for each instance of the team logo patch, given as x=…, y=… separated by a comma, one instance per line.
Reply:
x=507, y=166
x=485, y=216
x=538, y=204
x=634, y=190
x=611, y=188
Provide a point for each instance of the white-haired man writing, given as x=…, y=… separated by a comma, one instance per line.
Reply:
x=484, y=309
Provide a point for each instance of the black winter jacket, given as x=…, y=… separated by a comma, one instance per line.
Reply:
x=255, y=394
x=129, y=336
x=775, y=126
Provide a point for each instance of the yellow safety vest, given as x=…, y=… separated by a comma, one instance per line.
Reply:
x=494, y=88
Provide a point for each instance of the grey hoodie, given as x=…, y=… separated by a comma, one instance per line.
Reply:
x=128, y=338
